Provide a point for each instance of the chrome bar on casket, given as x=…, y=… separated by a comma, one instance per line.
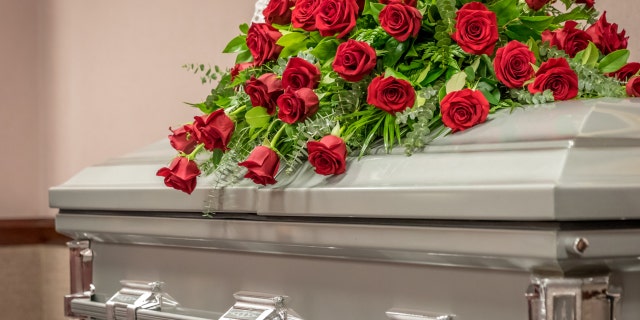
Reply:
x=535, y=214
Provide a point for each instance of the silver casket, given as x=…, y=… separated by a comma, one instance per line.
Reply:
x=533, y=215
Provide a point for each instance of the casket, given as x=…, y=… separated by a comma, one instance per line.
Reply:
x=532, y=215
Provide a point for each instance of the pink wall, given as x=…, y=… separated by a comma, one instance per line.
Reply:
x=84, y=81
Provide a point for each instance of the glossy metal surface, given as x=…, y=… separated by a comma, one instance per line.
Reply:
x=402, y=314
x=572, y=160
x=494, y=248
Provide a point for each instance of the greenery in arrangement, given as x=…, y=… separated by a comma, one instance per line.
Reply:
x=323, y=79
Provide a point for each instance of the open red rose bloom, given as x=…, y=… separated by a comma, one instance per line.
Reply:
x=322, y=80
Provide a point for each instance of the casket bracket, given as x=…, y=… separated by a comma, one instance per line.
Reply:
x=558, y=298
x=80, y=274
x=260, y=306
x=136, y=295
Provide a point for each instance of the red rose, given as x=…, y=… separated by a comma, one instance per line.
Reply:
x=400, y=21
x=300, y=73
x=278, y=11
x=556, y=75
x=569, y=39
x=328, y=155
x=464, y=109
x=412, y=3
x=264, y=91
x=214, y=130
x=606, y=37
x=235, y=71
x=476, y=28
x=261, y=40
x=627, y=71
x=336, y=16
x=263, y=164
x=354, y=60
x=589, y=3
x=536, y=4
x=633, y=87
x=513, y=64
x=390, y=94
x=181, y=174
x=182, y=139
x=295, y=106
x=303, y=15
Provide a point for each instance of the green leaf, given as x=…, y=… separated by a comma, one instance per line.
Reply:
x=236, y=44
x=244, y=28
x=257, y=117
x=505, y=10
x=373, y=9
x=292, y=38
x=432, y=76
x=470, y=72
x=395, y=50
x=578, y=13
x=456, y=82
x=326, y=49
x=589, y=56
x=533, y=46
x=614, y=61
x=522, y=33
x=244, y=56
x=538, y=23
x=423, y=74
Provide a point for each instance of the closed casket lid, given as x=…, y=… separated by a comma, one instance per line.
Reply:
x=571, y=160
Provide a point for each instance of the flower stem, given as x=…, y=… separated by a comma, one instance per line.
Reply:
x=195, y=152
x=274, y=141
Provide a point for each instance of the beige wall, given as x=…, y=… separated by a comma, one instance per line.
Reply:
x=83, y=81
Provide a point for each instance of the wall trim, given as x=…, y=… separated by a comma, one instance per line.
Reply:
x=30, y=231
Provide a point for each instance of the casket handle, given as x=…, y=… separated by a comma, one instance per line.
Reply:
x=81, y=273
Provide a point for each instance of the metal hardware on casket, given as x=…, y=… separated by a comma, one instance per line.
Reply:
x=136, y=295
x=81, y=274
x=556, y=298
x=259, y=306
x=405, y=314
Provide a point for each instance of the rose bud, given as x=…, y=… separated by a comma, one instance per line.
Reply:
x=303, y=16
x=278, y=11
x=235, y=71
x=180, y=175
x=261, y=40
x=606, y=37
x=556, y=75
x=264, y=91
x=569, y=39
x=513, y=64
x=328, y=156
x=300, y=73
x=295, y=106
x=536, y=4
x=588, y=3
x=182, y=139
x=336, y=16
x=400, y=21
x=354, y=60
x=627, y=71
x=390, y=94
x=263, y=164
x=476, y=28
x=214, y=130
x=464, y=109
x=633, y=87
